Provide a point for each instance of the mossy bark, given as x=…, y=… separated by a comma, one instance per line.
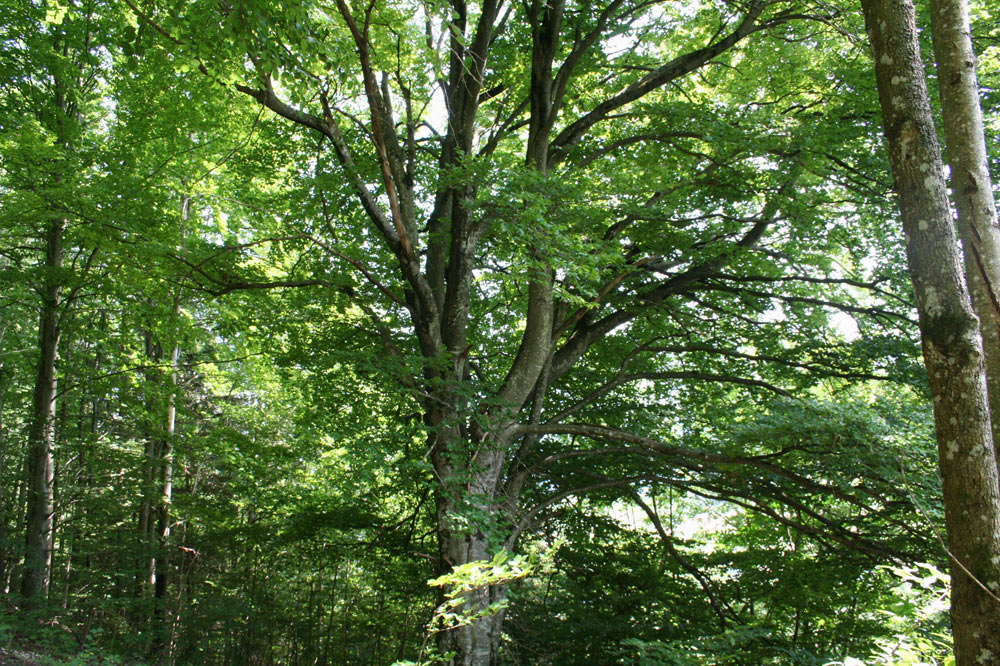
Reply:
x=952, y=345
x=972, y=189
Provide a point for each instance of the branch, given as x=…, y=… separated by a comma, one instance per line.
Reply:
x=661, y=76
x=848, y=539
x=526, y=519
x=328, y=128
x=359, y=265
x=381, y=124
x=275, y=284
x=807, y=300
x=580, y=49
x=813, y=366
x=148, y=20
x=719, y=606
x=638, y=138
x=755, y=499
x=677, y=454
x=871, y=286
x=426, y=315
x=584, y=337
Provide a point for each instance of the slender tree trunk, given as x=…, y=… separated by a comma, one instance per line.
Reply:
x=157, y=492
x=164, y=497
x=4, y=559
x=146, y=569
x=162, y=623
x=21, y=511
x=965, y=147
x=951, y=341
x=41, y=433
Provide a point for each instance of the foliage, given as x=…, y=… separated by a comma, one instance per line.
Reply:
x=764, y=401
x=463, y=582
x=918, y=621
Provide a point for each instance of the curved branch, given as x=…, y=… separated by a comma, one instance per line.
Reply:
x=808, y=300
x=625, y=378
x=679, y=454
x=583, y=337
x=719, y=605
x=425, y=315
x=526, y=519
x=659, y=77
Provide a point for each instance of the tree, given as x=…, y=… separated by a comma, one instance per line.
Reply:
x=550, y=241
x=56, y=77
x=951, y=341
x=454, y=276
x=972, y=188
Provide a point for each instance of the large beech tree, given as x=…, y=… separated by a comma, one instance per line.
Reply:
x=953, y=351
x=548, y=223
x=545, y=255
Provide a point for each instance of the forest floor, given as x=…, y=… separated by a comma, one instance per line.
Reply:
x=13, y=657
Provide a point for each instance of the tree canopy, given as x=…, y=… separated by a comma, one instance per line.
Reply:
x=596, y=315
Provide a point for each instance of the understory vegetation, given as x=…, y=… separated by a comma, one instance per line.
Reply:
x=488, y=334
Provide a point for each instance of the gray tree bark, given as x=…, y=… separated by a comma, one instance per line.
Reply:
x=41, y=433
x=950, y=331
x=972, y=190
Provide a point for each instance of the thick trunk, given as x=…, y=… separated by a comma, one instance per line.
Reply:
x=972, y=189
x=475, y=643
x=951, y=341
x=470, y=516
x=41, y=434
x=469, y=530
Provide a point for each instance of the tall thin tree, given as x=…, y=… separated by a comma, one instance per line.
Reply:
x=972, y=189
x=949, y=329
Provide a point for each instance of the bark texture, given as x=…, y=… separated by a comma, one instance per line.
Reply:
x=41, y=434
x=965, y=148
x=951, y=342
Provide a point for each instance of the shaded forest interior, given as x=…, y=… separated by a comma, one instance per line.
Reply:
x=575, y=332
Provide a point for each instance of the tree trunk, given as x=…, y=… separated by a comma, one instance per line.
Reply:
x=146, y=568
x=965, y=147
x=157, y=490
x=951, y=341
x=4, y=383
x=164, y=498
x=466, y=503
x=475, y=643
x=41, y=433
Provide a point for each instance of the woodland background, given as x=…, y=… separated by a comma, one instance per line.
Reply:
x=261, y=451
